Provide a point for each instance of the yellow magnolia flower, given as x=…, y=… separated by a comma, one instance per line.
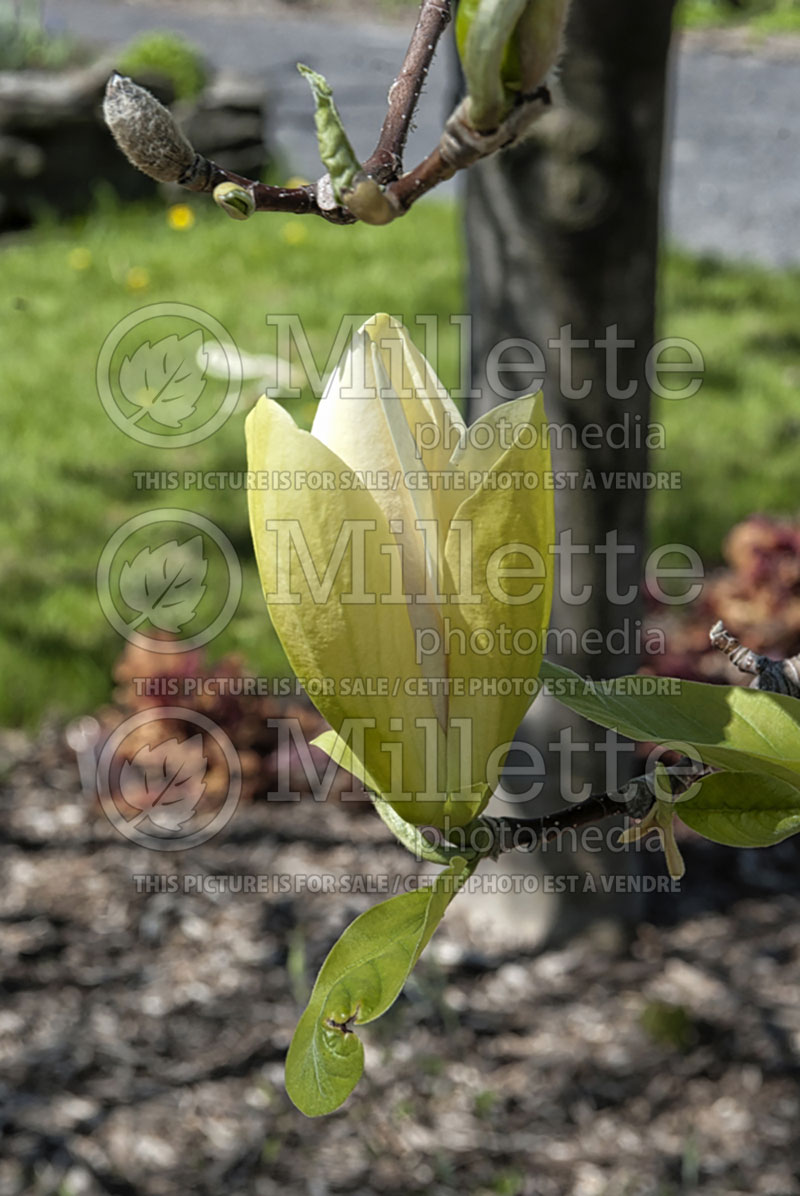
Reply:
x=405, y=562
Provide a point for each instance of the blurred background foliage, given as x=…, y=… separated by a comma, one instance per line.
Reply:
x=167, y=54
x=68, y=483
x=24, y=41
x=767, y=16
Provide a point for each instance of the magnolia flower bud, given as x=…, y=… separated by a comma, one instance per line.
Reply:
x=148, y=134
x=416, y=584
x=508, y=49
x=539, y=36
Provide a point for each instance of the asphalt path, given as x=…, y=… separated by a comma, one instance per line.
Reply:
x=733, y=175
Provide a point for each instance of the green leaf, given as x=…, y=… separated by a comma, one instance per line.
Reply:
x=726, y=726
x=743, y=809
x=360, y=979
x=337, y=154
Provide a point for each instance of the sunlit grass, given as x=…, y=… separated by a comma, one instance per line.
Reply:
x=68, y=481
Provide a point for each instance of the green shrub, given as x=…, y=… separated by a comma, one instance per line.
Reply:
x=25, y=43
x=768, y=16
x=170, y=55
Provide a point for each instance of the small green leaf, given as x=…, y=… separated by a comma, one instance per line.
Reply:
x=743, y=809
x=729, y=727
x=236, y=201
x=337, y=154
x=361, y=977
x=342, y=754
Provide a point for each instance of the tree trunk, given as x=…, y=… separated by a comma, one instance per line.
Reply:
x=563, y=231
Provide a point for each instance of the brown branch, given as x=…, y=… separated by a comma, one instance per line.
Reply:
x=636, y=800
x=432, y=171
x=462, y=146
x=151, y=139
x=386, y=161
x=300, y=201
x=524, y=834
x=773, y=676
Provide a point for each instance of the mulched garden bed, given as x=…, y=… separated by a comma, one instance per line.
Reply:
x=142, y=1033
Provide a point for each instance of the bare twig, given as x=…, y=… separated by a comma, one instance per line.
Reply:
x=386, y=162
x=774, y=676
x=151, y=139
x=636, y=801
x=300, y=201
x=461, y=146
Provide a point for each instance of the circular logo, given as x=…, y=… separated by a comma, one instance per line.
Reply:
x=168, y=778
x=169, y=580
x=169, y=375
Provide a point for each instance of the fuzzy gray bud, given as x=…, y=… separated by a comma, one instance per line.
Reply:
x=147, y=133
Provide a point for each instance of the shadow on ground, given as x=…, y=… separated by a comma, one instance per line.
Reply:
x=142, y=1033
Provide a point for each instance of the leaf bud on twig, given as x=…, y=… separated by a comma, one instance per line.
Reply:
x=235, y=200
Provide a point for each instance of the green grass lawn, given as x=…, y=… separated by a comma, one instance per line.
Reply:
x=68, y=484
x=763, y=16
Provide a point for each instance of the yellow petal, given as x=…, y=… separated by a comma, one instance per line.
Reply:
x=499, y=551
x=338, y=632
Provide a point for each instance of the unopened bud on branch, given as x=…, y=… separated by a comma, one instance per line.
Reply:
x=235, y=200
x=539, y=35
x=148, y=134
x=507, y=50
x=369, y=202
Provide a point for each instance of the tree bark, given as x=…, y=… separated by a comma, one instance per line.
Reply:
x=563, y=230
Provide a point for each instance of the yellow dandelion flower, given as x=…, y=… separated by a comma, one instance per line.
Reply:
x=294, y=232
x=180, y=216
x=137, y=279
x=80, y=258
